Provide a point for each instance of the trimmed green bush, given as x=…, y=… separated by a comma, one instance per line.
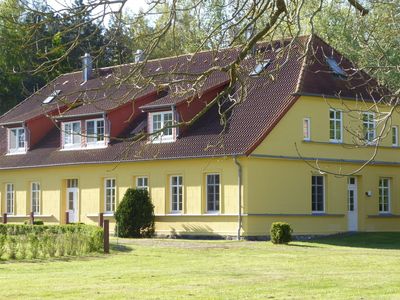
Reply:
x=35, y=222
x=40, y=241
x=281, y=233
x=135, y=215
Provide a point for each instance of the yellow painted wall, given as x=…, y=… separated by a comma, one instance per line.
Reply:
x=91, y=192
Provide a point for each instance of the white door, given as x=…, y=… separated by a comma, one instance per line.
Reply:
x=72, y=204
x=352, y=205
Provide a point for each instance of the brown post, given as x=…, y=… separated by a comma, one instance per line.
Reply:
x=101, y=219
x=106, y=226
x=32, y=218
x=4, y=218
x=67, y=217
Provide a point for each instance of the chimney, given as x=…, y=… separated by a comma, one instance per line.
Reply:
x=86, y=67
x=139, y=56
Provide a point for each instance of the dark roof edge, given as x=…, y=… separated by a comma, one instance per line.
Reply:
x=333, y=97
x=121, y=161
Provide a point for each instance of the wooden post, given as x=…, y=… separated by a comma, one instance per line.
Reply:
x=101, y=219
x=106, y=226
x=4, y=218
x=32, y=218
x=67, y=217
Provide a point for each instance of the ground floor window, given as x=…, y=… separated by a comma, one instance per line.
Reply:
x=317, y=193
x=384, y=195
x=35, y=197
x=10, y=198
x=213, y=192
x=110, y=194
x=176, y=193
x=142, y=183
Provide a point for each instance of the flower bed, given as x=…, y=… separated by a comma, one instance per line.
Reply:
x=45, y=241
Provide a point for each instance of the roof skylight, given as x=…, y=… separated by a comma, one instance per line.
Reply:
x=333, y=64
x=51, y=97
x=260, y=67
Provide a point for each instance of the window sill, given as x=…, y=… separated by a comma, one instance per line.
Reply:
x=384, y=215
x=84, y=148
x=16, y=153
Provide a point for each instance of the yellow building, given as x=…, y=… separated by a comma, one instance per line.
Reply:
x=277, y=158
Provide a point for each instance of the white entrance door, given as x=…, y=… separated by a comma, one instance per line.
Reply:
x=352, y=205
x=72, y=204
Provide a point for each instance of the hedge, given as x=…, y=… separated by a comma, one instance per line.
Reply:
x=44, y=241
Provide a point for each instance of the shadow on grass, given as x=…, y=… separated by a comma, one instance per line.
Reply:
x=293, y=244
x=372, y=240
x=120, y=248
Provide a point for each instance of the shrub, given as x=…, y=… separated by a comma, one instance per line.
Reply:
x=35, y=222
x=27, y=241
x=135, y=215
x=281, y=233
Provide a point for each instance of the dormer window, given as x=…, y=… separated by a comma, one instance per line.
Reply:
x=72, y=135
x=95, y=133
x=17, y=140
x=159, y=127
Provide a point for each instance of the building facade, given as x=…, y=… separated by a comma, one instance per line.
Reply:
x=277, y=158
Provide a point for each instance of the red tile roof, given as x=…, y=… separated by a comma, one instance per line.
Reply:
x=266, y=101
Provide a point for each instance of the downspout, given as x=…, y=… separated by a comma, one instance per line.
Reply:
x=239, y=168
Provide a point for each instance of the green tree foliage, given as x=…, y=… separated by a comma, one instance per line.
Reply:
x=135, y=215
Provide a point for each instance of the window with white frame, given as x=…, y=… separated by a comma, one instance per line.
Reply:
x=159, y=123
x=16, y=140
x=176, y=193
x=317, y=193
x=369, y=126
x=72, y=135
x=110, y=194
x=142, y=183
x=213, y=192
x=10, y=194
x=395, y=136
x=335, y=125
x=306, y=129
x=35, y=197
x=95, y=133
x=384, y=195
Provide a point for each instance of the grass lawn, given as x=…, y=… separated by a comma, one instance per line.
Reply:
x=361, y=266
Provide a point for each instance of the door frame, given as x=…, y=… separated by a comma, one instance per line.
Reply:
x=352, y=225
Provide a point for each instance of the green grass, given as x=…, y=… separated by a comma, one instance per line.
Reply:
x=361, y=266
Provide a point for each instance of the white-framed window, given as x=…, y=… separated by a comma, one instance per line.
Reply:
x=176, y=183
x=335, y=126
x=384, y=195
x=159, y=121
x=95, y=133
x=317, y=193
x=142, y=183
x=16, y=140
x=10, y=195
x=35, y=197
x=395, y=136
x=72, y=135
x=306, y=129
x=109, y=195
x=369, y=126
x=213, y=192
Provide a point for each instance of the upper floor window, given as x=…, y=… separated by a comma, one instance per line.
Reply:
x=306, y=129
x=95, y=133
x=369, y=126
x=72, y=135
x=335, y=125
x=159, y=127
x=395, y=136
x=317, y=193
x=17, y=140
